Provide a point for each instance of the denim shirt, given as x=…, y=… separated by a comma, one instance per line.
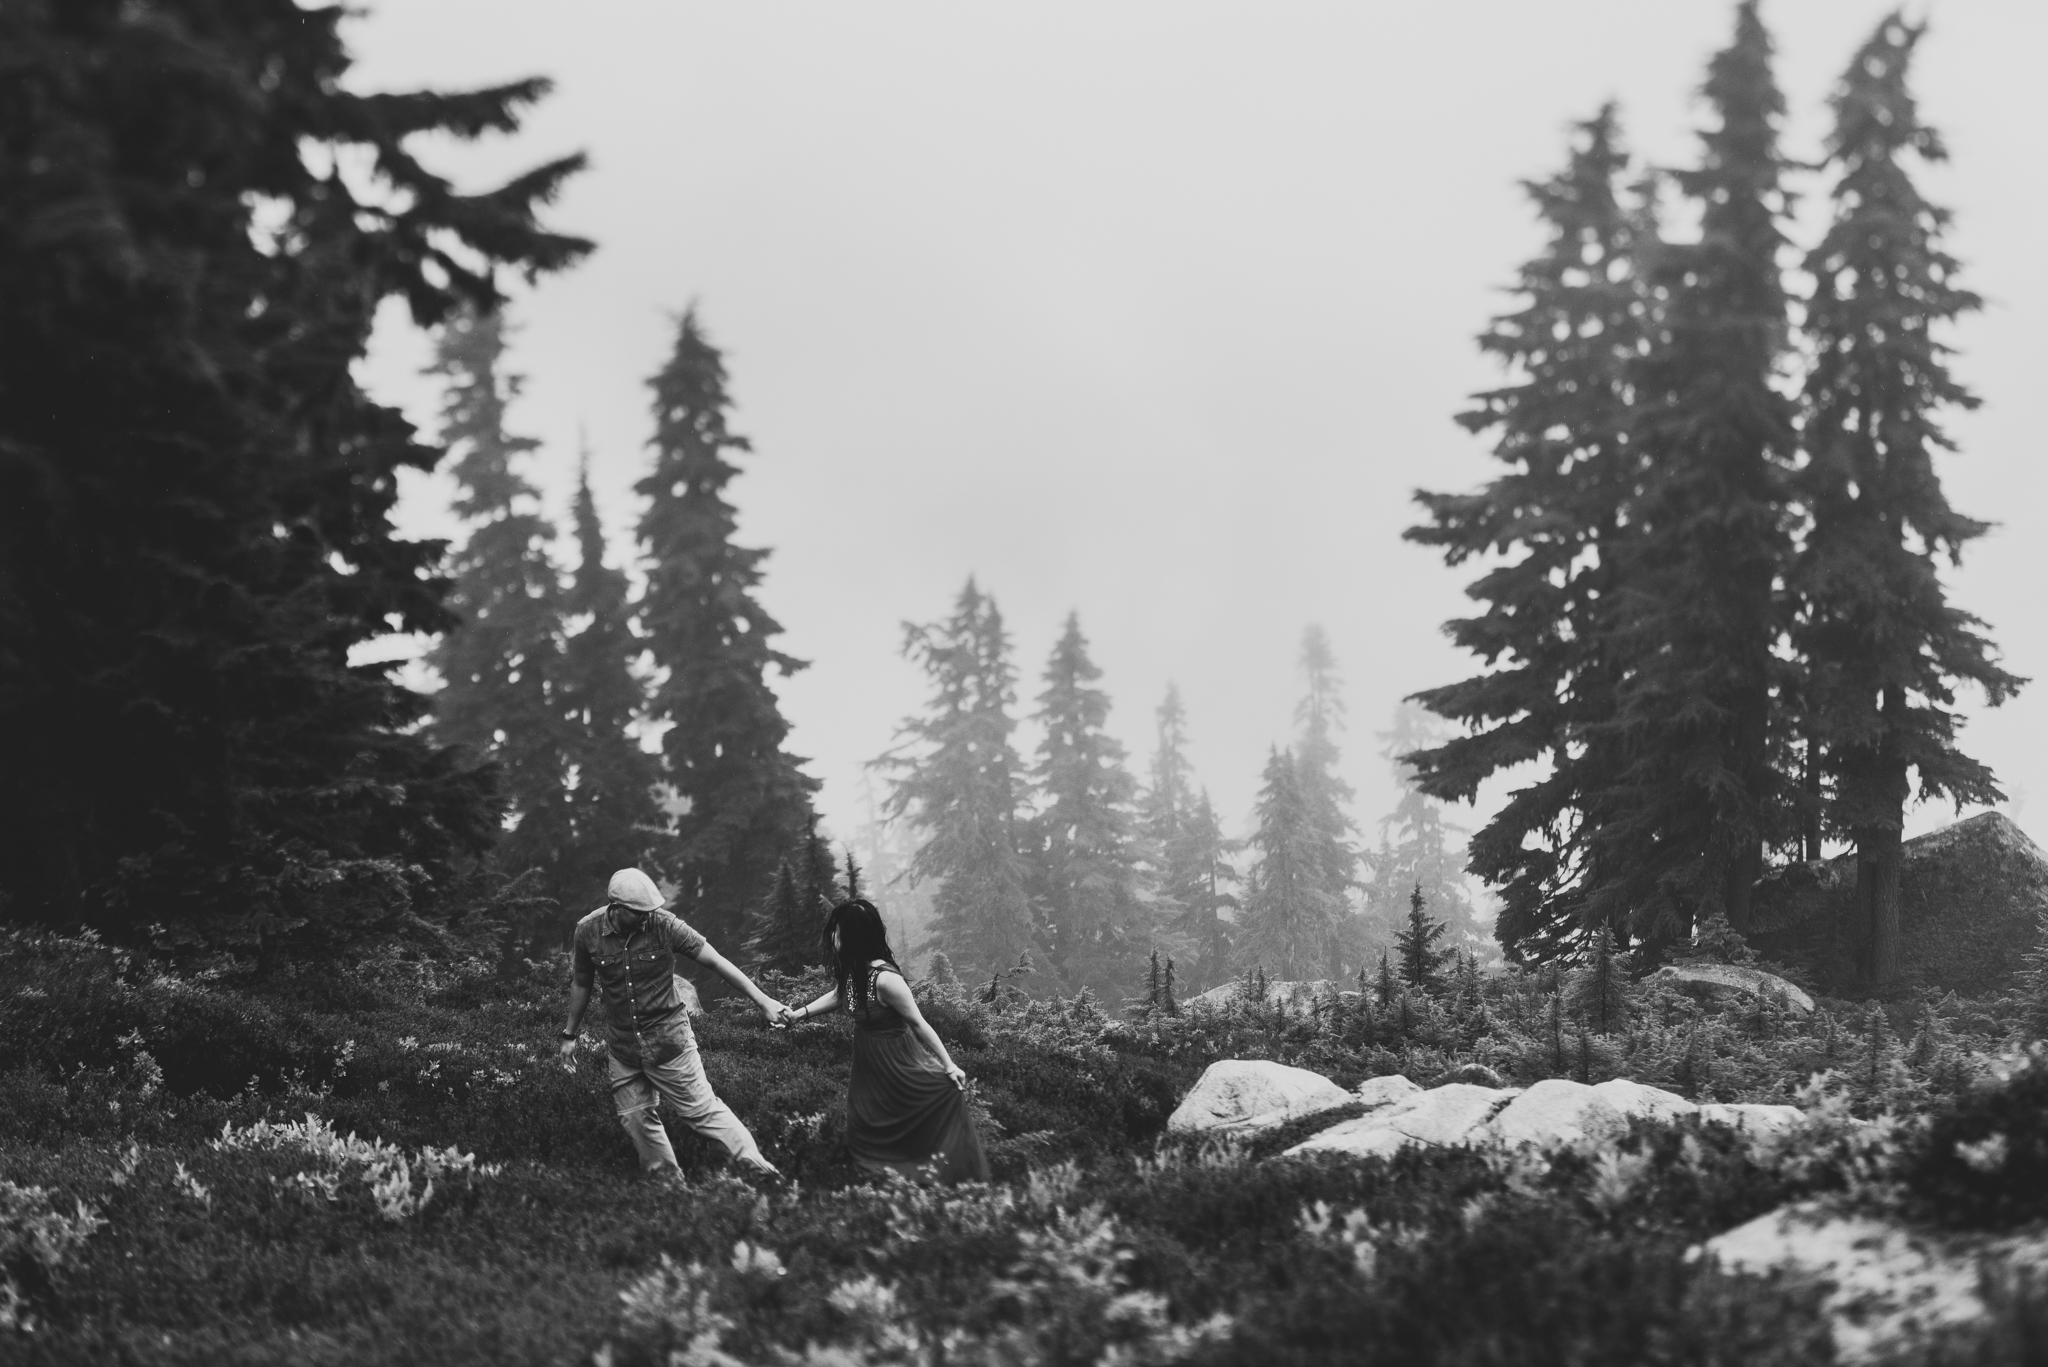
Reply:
x=645, y=1020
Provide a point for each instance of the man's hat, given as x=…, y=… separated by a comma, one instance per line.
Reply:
x=632, y=888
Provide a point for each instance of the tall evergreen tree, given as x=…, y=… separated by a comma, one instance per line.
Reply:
x=1168, y=798
x=747, y=800
x=955, y=775
x=500, y=669
x=1200, y=865
x=1290, y=913
x=1545, y=631
x=1882, y=647
x=615, y=820
x=1418, y=848
x=1680, y=832
x=1325, y=795
x=1188, y=854
x=1085, y=828
x=1421, y=963
x=197, y=527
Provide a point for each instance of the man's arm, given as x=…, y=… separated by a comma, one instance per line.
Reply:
x=581, y=970
x=731, y=972
x=579, y=1002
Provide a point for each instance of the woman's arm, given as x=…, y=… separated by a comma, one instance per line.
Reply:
x=818, y=1007
x=896, y=994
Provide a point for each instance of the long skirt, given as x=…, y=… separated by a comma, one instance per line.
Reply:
x=904, y=1114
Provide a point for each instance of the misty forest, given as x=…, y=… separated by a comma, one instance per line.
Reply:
x=1634, y=1031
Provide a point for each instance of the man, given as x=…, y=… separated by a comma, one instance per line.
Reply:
x=628, y=947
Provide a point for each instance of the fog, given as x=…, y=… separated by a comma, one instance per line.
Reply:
x=1153, y=312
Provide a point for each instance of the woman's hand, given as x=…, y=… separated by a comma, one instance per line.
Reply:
x=958, y=1074
x=786, y=1016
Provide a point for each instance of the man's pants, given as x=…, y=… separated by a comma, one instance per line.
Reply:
x=681, y=1082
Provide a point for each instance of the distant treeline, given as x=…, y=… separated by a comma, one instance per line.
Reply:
x=1066, y=864
x=1711, y=612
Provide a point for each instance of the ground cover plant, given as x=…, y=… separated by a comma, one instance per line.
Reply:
x=386, y=1162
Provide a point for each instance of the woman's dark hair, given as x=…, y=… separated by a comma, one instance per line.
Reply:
x=862, y=940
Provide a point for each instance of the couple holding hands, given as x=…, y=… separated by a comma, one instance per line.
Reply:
x=906, y=1104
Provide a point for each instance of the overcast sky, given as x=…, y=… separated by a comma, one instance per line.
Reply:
x=1154, y=312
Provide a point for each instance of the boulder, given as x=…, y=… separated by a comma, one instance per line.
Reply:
x=1379, y=1093
x=1969, y=896
x=1888, y=1288
x=1242, y=1096
x=1556, y=1112
x=1369, y=1136
x=687, y=990
x=1753, y=1117
x=1451, y=1114
x=1478, y=1074
x=1295, y=998
x=1640, y=1101
x=1722, y=981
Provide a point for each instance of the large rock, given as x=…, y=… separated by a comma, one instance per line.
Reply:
x=1734, y=980
x=1240, y=1096
x=1451, y=1114
x=1556, y=1112
x=1753, y=1117
x=1378, y=1093
x=1295, y=998
x=1969, y=895
x=1888, y=1289
x=693, y=1004
x=1368, y=1136
x=1640, y=1101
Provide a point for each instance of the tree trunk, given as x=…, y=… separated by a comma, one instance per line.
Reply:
x=1883, y=921
x=1809, y=817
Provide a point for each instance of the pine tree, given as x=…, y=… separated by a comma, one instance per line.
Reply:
x=780, y=934
x=747, y=800
x=1421, y=962
x=1325, y=796
x=955, y=775
x=615, y=820
x=821, y=887
x=1189, y=856
x=1681, y=830
x=1290, y=916
x=1086, y=869
x=1416, y=844
x=1544, y=632
x=1169, y=797
x=501, y=668
x=197, y=531
x=1600, y=995
x=1883, y=648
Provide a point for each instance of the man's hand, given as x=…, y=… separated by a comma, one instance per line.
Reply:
x=774, y=1011
x=565, y=1050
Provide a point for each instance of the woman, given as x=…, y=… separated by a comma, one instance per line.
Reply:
x=906, y=1107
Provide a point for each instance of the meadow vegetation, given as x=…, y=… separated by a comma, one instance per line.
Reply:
x=386, y=1162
